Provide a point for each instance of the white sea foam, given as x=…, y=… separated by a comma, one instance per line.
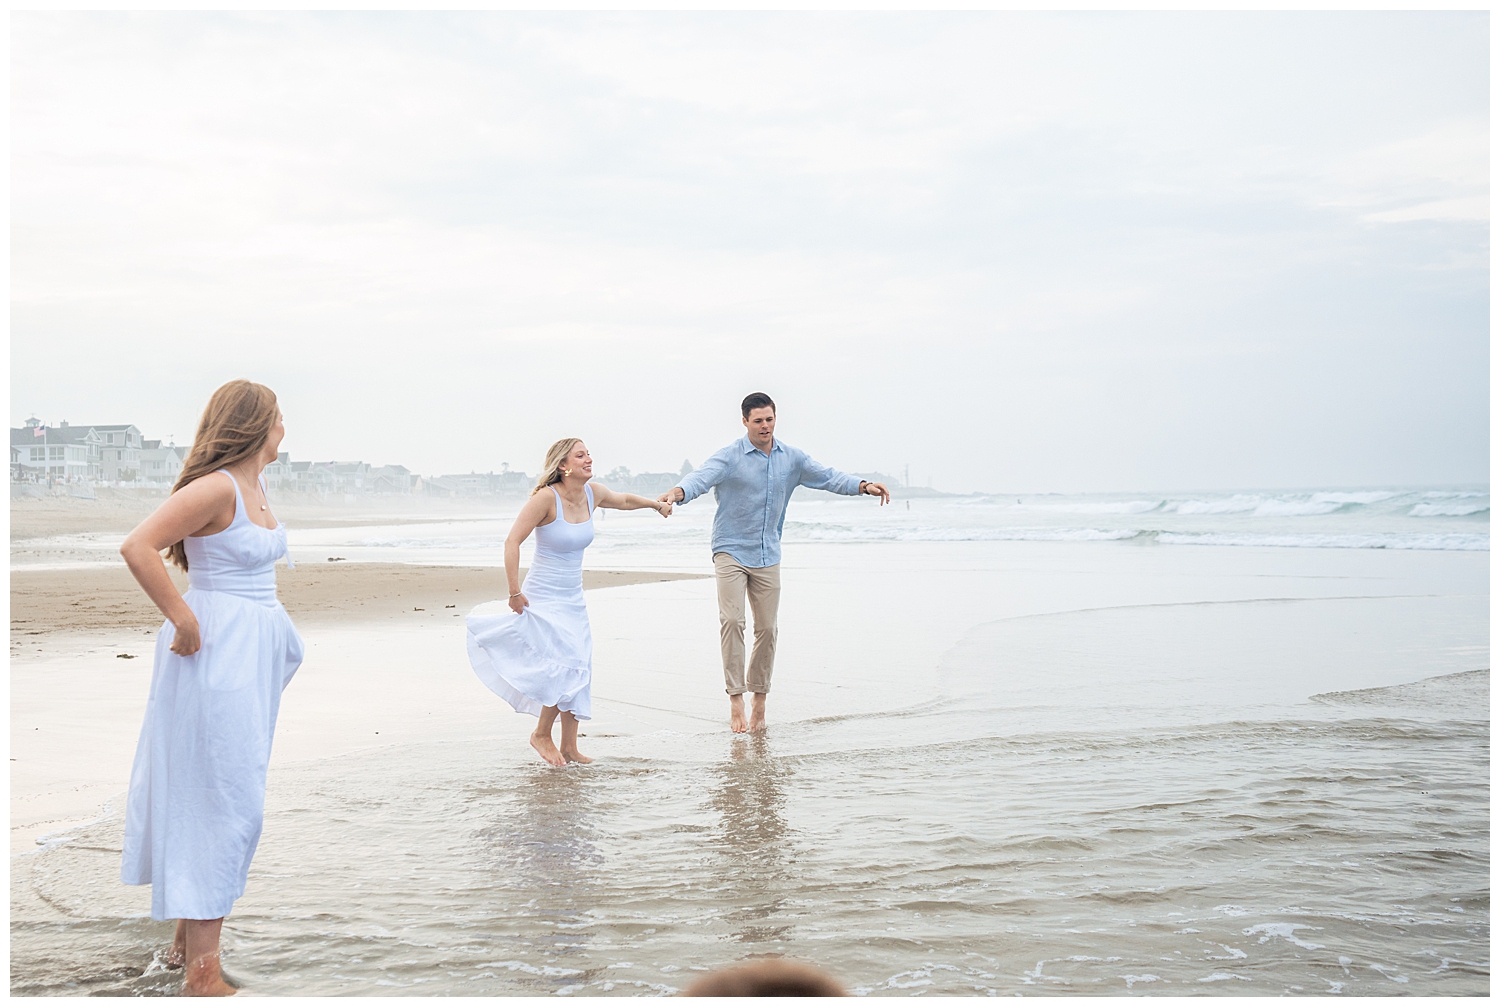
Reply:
x=796, y=530
x=1369, y=497
x=1238, y=504
x=1466, y=543
x=1096, y=507
x=1286, y=505
x=1296, y=508
x=1456, y=508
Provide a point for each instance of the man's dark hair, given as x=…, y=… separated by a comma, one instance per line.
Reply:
x=769, y=977
x=755, y=400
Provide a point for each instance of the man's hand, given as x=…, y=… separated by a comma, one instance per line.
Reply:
x=671, y=496
x=876, y=490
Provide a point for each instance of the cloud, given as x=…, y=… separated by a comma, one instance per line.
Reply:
x=1050, y=236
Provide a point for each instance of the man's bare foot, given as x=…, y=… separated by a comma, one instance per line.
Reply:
x=758, y=712
x=574, y=755
x=547, y=749
x=204, y=979
x=737, y=722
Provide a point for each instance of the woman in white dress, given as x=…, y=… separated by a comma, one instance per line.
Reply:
x=539, y=656
x=198, y=785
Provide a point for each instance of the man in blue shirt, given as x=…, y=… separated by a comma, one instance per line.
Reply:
x=753, y=480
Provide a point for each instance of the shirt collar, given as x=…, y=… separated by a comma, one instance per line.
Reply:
x=746, y=446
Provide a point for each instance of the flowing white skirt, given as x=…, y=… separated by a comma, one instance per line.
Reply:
x=545, y=655
x=198, y=786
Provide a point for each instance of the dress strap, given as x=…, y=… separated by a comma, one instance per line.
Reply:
x=239, y=500
x=588, y=489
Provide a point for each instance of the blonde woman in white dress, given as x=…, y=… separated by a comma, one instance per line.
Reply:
x=539, y=656
x=198, y=786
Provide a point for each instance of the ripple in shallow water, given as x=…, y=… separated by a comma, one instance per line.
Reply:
x=1347, y=855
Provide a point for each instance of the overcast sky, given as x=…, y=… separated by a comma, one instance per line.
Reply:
x=1019, y=252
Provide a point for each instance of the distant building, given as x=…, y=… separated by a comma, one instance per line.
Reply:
x=325, y=479
x=476, y=484
x=60, y=452
x=391, y=479
x=119, y=452
x=647, y=484
x=161, y=464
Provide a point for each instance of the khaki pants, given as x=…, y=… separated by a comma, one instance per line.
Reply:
x=763, y=585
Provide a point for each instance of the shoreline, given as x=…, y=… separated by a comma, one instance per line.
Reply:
x=106, y=599
x=385, y=654
x=118, y=513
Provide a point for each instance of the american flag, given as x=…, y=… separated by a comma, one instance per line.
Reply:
x=38, y=431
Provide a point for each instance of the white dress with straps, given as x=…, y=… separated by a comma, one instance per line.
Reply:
x=545, y=655
x=198, y=787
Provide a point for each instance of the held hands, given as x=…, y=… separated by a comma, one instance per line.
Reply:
x=663, y=507
x=671, y=496
x=876, y=490
x=518, y=602
x=185, y=640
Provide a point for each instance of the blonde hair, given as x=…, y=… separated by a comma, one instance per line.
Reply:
x=235, y=425
x=552, y=465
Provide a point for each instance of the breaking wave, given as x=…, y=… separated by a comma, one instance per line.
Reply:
x=1454, y=508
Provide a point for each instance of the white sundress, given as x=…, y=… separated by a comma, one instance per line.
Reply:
x=198, y=786
x=545, y=655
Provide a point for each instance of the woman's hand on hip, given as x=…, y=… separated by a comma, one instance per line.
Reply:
x=185, y=642
x=518, y=602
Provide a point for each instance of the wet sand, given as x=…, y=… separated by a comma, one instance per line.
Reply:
x=383, y=639
x=992, y=768
x=107, y=599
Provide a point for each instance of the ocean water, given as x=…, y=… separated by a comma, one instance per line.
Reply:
x=997, y=764
x=1424, y=519
x=1446, y=519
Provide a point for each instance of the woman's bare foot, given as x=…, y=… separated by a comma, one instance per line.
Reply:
x=204, y=979
x=758, y=712
x=175, y=958
x=574, y=755
x=547, y=749
x=737, y=722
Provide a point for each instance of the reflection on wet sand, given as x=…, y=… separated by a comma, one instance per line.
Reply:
x=543, y=863
x=753, y=837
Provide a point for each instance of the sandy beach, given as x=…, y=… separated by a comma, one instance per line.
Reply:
x=82, y=639
x=107, y=599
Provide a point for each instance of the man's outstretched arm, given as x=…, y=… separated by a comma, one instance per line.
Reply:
x=699, y=481
x=817, y=476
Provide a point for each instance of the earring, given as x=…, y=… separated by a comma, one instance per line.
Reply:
x=567, y=472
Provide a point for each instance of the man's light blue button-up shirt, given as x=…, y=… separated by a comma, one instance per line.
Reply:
x=753, y=490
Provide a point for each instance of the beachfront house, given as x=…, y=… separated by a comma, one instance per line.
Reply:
x=476, y=484
x=647, y=484
x=160, y=464
x=326, y=479
x=40, y=452
x=390, y=479
x=119, y=452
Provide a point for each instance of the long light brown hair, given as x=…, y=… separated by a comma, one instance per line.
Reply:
x=235, y=425
x=552, y=466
